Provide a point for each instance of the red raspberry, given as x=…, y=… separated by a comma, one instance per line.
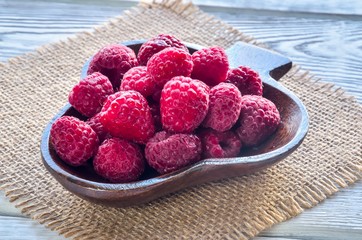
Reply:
x=166, y=152
x=73, y=140
x=246, y=79
x=95, y=123
x=259, y=118
x=184, y=104
x=157, y=44
x=88, y=96
x=139, y=80
x=110, y=99
x=224, y=108
x=169, y=63
x=210, y=65
x=113, y=61
x=126, y=114
x=220, y=145
x=119, y=160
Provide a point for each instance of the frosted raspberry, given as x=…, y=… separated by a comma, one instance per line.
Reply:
x=259, y=118
x=210, y=65
x=73, y=140
x=166, y=152
x=155, y=45
x=95, y=123
x=220, y=145
x=119, y=161
x=184, y=104
x=126, y=114
x=88, y=95
x=139, y=80
x=224, y=108
x=169, y=63
x=113, y=61
x=247, y=80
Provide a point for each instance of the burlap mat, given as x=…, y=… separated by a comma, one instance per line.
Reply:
x=35, y=87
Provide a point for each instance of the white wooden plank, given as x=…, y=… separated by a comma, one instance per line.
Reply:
x=16, y=228
x=331, y=6
x=26, y=25
x=339, y=217
x=6, y=208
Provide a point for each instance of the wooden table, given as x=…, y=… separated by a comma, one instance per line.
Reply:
x=322, y=36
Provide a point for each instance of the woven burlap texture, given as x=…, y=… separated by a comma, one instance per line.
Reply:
x=36, y=86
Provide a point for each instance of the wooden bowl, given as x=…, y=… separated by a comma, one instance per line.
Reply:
x=85, y=183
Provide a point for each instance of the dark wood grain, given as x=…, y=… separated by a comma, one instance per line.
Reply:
x=83, y=181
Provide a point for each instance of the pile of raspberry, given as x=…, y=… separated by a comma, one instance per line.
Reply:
x=163, y=108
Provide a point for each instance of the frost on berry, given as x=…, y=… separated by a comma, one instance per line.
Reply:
x=220, y=144
x=246, y=80
x=73, y=140
x=259, y=118
x=224, y=108
x=138, y=79
x=113, y=61
x=210, y=65
x=119, y=160
x=184, y=104
x=169, y=63
x=168, y=152
x=157, y=44
x=126, y=114
x=88, y=96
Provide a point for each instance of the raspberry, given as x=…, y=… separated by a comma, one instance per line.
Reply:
x=210, y=65
x=169, y=63
x=73, y=140
x=88, y=95
x=155, y=45
x=166, y=152
x=126, y=114
x=224, y=108
x=110, y=99
x=246, y=79
x=220, y=145
x=95, y=123
x=139, y=80
x=184, y=103
x=119, y=160
x=113, y=61
x=259, y=118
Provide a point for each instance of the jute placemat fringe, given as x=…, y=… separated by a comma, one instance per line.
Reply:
x=239, y=208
